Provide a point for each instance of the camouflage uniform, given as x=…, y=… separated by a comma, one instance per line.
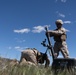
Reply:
x=34, y=56
x=59, y=36
x=29, y=55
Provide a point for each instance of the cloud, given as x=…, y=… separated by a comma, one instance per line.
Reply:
x=62, y=1
x=20, y=40
x=20, y=48
x=60, y=14
x=67, y=22
x=9, y=47
x=66, y=30
x=17, y=47
x=38, y=29
x=25, y=30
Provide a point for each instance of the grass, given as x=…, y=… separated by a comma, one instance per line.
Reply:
x=7, y=69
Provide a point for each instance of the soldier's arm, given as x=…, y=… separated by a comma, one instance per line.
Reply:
x=55, y=32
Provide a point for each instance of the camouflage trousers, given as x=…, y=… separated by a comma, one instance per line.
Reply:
x=61, y=47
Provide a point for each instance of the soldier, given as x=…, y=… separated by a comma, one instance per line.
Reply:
x=59, y=36
x=34, y=56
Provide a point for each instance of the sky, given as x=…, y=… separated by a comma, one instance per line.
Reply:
x=22, y=24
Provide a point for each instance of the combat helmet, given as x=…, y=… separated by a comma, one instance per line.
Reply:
x=59, y=21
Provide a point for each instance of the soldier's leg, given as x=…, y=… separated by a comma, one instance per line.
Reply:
x=64, y=50
x=56, y=50
x=65, y=53
x=33, y=59
x=30, y=57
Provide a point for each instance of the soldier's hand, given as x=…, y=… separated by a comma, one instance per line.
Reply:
x=49, y=33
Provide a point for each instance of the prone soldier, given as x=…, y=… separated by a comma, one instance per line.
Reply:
x=35, y=57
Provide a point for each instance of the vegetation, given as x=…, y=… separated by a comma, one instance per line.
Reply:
x=7, y=69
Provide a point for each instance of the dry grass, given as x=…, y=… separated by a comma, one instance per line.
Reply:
x=7, y=69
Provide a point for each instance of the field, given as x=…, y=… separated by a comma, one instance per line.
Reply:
x=8, y=67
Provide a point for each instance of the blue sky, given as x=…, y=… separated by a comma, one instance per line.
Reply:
x=22, y=24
